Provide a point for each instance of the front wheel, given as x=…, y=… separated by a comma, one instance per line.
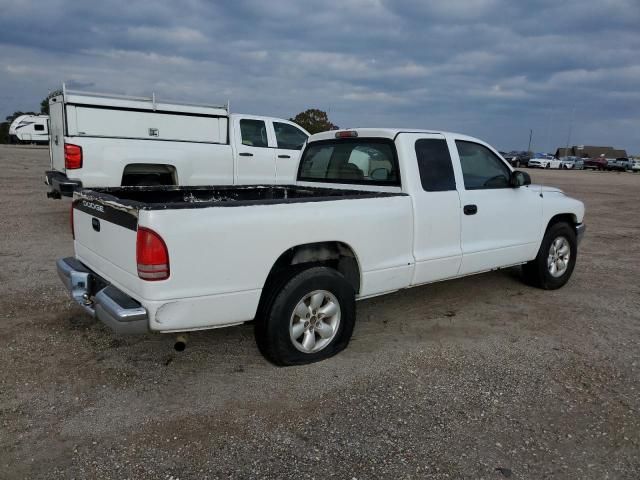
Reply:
x=548, y=165
x=310, y=319
x=556, y=258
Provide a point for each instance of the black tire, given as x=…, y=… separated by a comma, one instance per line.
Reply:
x=272, y=326
x=536, y=272
x=548, y=165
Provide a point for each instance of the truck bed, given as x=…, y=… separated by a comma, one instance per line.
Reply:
x=176, y=197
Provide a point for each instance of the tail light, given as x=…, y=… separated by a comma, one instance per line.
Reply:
x=73, y=230
x=152, y=255
x=72, y=156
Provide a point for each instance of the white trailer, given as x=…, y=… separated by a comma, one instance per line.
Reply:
x=29, y=129
x=103, y=140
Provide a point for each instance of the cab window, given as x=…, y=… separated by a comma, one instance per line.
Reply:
x=434, y=165
x=288, y=136
x=365, y=161
x=481, y=168
x=254, y=133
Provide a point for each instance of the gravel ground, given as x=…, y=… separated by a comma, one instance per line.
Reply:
x=481, y=377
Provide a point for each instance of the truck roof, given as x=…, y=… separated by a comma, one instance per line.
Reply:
x=390, y=133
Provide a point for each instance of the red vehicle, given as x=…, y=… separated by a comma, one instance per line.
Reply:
x=597, y=163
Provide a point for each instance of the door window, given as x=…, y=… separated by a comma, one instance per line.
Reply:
x=288, y=136
x=38, y=127
x=254, y=133
x=434, y=164
x=481, y=168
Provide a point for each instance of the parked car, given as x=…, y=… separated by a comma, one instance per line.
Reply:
x=359, y=222
x=110, y=140
x=596, y=163
x=635, y=165
x=517, y=159
x=571, y=163
x=544, y=161
x=621, y=164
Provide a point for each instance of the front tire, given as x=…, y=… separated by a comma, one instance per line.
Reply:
x=556, y=258
x=310, y=319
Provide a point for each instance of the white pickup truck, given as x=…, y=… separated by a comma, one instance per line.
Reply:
x=372, y=211
x=101, y=140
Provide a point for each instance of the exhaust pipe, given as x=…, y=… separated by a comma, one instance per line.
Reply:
x=181, y=343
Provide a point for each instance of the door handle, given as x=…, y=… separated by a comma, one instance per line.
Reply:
x=470, y=209
x=246, y=154
x=284, y=156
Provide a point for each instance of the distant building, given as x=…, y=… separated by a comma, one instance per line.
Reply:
x=589, y=151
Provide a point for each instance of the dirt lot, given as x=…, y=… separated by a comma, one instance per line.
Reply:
x=475, y=378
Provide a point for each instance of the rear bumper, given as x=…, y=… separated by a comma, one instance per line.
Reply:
x=115, y=309
x=60, y=184
x=580, y=229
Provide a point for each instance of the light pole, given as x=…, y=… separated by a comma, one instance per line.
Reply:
x=530, y=137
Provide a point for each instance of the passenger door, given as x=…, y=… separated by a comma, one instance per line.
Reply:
x=436, y=204
x=500, y=223
x=289, y=141
x=255, y=155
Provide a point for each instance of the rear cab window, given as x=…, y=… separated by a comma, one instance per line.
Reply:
x=434, y=165
x=365, y=161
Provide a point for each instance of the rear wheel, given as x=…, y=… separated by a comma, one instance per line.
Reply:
x=310, y=319
x=556, y=258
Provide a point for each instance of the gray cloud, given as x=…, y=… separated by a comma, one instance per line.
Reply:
x=490, y=68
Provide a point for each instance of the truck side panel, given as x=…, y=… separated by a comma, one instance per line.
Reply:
x=214, y=255
x=120, y=123
x=105, y=159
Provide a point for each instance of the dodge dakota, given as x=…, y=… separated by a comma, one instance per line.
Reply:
x=372, y=211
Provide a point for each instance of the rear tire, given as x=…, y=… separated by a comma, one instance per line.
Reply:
x=556, y=258
x=309, y=319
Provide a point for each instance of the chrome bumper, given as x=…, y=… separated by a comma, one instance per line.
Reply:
x=112, y=307
x=580, y=229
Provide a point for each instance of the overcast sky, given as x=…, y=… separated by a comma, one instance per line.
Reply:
x=488, y=68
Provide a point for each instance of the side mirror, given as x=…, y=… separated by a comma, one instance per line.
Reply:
x=519, y=179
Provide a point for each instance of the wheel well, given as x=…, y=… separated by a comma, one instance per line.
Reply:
x=336, y=255
x=569, y=218
x=149, y=174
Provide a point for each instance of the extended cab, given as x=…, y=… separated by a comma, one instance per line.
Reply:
x=372, y=211
x=108, y=141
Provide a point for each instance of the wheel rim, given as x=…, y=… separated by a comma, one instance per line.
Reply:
x=315, y=321
x=559, y=255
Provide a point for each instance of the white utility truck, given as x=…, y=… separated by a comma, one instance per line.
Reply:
x=100, y=140
x=29, y=128
x=372, y=211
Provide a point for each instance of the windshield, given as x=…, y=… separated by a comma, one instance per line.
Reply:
x=360, y=160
